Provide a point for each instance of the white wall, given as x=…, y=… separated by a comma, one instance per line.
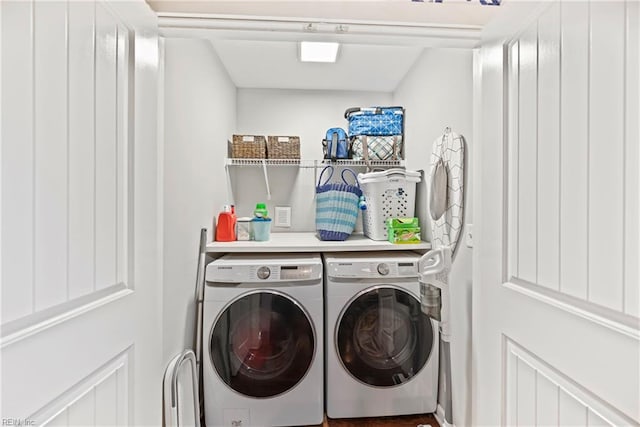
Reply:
x=437, y=92
x=306, y=113
x=200, y=111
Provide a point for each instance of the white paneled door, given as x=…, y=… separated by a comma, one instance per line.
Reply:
x=80, y=298
x=556, y=264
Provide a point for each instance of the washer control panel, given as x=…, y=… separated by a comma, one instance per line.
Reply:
x=260, y=273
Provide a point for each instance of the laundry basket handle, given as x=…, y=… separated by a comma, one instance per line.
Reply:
x=322, y=173
x=355, y=177
x=395, y=172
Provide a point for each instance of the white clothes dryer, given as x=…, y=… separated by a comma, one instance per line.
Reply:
x=382, y=350
x=263, y=340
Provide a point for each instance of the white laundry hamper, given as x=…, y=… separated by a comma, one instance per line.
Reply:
x=389, y=194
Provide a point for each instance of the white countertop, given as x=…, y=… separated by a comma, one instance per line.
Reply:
x=309, y=242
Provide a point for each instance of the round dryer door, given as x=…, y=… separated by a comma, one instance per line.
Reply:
x=383, y=339
x=262, y=344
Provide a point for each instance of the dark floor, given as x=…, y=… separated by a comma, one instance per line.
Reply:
x=405, y=421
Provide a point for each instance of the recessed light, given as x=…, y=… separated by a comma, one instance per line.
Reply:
x=318, y=51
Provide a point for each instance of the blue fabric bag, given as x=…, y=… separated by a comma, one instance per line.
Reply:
x=336, y=144
x=375, y=121
x=336, y=206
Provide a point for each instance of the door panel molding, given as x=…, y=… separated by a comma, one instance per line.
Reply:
x=66, y=159
x=63, y=356
x=530, y=380
x=38, y=323
x=94, y=399
x=632, y=158
x=17, y=159
x=612, y=319
x=568, y=200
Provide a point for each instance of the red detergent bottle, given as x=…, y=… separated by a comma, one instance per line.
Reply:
x=226, y=226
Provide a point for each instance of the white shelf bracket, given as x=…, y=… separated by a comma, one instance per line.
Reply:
x=266, y=179
x=315, y=178
x=229, y=185
x=305, y=164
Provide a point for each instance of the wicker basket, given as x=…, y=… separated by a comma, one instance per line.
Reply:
x=248, y=147
x=283, y=147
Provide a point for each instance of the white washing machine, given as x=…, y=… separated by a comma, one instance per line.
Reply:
x=263, y=340
x=382, y=351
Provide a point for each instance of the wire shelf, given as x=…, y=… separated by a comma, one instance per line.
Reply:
x=260, y=162
x=362, y=163
x=313, y=163
x=302, y=164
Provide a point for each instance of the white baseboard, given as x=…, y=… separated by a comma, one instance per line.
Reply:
x=439, y=414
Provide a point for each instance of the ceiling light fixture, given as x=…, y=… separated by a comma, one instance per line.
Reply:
x=318, y=51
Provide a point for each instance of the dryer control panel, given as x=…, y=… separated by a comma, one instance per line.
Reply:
x=372, y=269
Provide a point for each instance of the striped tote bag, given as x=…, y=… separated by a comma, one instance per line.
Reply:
x=336, y=206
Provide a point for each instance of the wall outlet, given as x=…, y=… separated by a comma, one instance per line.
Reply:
x=282, y=216
x=468, y=235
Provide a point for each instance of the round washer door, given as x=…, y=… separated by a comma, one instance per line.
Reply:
x=262, y=344
x=382, y=338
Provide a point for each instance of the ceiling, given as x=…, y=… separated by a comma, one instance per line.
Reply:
x=274, y=64
x=257, y=41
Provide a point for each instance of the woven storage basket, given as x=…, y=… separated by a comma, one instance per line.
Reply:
x=336, y=207
x=283, y=147
x=248, y=147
